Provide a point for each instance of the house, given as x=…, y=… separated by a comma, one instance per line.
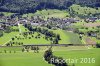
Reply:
x=1, y=28
x=91, y=19
x=35, y=24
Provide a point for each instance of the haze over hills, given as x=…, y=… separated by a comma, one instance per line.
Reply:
x=33, y=5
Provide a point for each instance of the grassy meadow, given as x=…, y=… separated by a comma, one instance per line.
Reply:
x=49, y=13
x=68, y=37
x=84, y=10
x=30, y=58
x=78, y=54
x=22, y=59
x=7, y=37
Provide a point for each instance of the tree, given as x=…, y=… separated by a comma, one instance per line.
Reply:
x=76, y=30
x=51, y=59
x=49, y=26
x=98, y=35
x=58, y=37
x=35, y=49
x=56, y=41
x=1, y=14
x=23, y=50
x=13, y=39
x=60, y=63
x=48, y=54
x=1, y=33
x=98, y=45
x=7, y=29
x=5, y=51
x=27, y=50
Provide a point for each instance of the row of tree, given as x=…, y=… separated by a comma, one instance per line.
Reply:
x=27, y=48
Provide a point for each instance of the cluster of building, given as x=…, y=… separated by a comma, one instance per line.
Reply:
x=61, y=22
x=37, y=21
x=92, y=19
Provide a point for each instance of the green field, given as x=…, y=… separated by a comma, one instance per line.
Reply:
x=77, y=54
x=30, y=58
x=68, y=37
x=7, y=13
x=79, y=10
x=22, y=28
x=22, y=59
x=7, y=37
x=49, y=13
x=33, y=40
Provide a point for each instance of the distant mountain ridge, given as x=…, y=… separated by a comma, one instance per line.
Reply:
x=33, y=5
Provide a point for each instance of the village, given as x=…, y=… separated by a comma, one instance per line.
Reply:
x=7, y=22
x=61, y=23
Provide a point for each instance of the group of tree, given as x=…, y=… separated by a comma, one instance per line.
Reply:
x=51, y=59
x=46, y=32
x=7, y=29
x=98, y=45
x=10, y=51
x=27, y=48
x=36, y=49
x=12, y=43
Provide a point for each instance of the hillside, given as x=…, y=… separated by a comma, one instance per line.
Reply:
x=24, y=6
x=83, y=11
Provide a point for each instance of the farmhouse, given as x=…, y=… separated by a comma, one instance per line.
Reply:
x=91, y=19
x=35, y=24
x=1, y=28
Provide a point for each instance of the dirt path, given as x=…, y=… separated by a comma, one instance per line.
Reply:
x=92, y=24
x=90, y=41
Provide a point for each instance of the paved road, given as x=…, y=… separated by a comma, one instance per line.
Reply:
x=58, y=45
x=54, y=45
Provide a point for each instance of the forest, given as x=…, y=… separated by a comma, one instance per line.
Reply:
x=24, y=6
